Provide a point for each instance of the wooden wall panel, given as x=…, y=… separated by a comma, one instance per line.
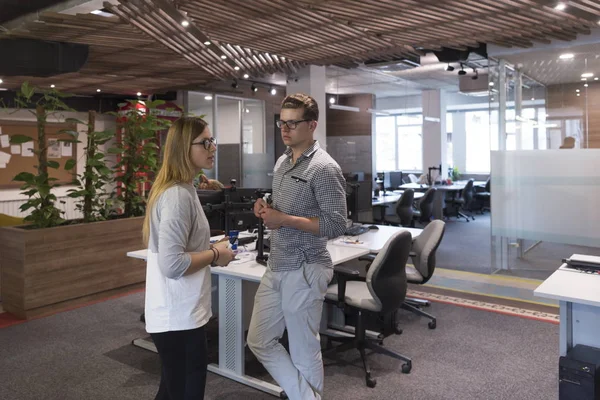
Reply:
x=347, y=123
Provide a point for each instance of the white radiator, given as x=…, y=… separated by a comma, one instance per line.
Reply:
x=11, y=207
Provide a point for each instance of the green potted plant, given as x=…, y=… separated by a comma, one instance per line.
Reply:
x=55, y=264
x=455, y=174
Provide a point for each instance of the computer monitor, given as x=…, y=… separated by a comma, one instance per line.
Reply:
x=381, y=176
x=214, y=209
x=352, y=200
x=212, y=197
x=355, y=176
x=394, y=180
x=242, y=220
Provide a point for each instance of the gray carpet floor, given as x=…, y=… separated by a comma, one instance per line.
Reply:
x=466, y=246
x=86, y=354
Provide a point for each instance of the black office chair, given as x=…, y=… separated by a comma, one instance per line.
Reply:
x=381, y=292
x=404, y=210
x=425, y=211
x=464, y=202
x=484, y=198
x=423, y=252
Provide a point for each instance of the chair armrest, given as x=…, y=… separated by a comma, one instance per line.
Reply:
x=344, y=274
x=368, y=257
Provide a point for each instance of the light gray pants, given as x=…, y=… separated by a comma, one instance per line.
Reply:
x=292, y=299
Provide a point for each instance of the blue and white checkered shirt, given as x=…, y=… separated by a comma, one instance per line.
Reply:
x=314, y=186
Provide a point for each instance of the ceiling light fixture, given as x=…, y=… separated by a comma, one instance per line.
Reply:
x=344, y=108
x=96, y=12
x=587, y=75
x=596, y=78
x=207, y=43
x=566, y=56
x=236, y=68
x=586, y=85
x=139, y=94
x=1, y=81
x=234, y=84
x=98, y=90
x=185, y=23
x=377, y=112
x=577, y=90
x=52, y=86
x=533, y=98
x=223, y=57
x=560, y=6
x=246, y=76
x=331, y=100
x=578, y=94
x=254, y=88
x=584, y=79
x=208, y=97
x=273, y=91
x=491, y=84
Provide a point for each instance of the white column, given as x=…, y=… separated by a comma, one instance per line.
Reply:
x=459, y=141
x=519, y=109
x=311, y=80
x=434, y=131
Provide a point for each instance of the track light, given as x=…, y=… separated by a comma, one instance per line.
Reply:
x=560, y=6
x=139, y=94
x=273, y=91
x=234, y=84
x=1, y=81
x=207, y=43
x=331, y=100
x=185, y=23
x=52, y=86
x=98, y=90
x=449, y=67
x=253, y=88
x=236, y=68
x=246, y=76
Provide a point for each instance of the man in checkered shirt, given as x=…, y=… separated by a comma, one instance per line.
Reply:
x=309, y=207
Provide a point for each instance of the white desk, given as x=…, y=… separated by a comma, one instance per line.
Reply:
x=392, y=197
x=579, y=298
x=374, y=240
x=233, y=299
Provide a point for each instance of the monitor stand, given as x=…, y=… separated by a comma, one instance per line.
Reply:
x=261, y=258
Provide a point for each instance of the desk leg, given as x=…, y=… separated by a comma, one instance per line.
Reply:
x=566, y=327
x=231, y=337
x=438, y=204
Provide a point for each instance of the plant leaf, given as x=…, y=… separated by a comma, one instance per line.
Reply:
x=53, y=164
x=18, y=139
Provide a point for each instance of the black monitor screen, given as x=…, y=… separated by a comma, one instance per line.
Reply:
x=380, y=176
x=242, y=220
x=395, y=180
x=210, y=196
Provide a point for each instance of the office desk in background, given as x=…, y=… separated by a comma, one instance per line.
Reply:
x=392, y=197
x=578, y=294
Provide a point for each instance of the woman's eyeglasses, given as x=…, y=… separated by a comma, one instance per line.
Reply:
x=290, y=124
x=207, y=143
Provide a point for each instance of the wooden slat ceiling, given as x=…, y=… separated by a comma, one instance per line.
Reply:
x=146, y=48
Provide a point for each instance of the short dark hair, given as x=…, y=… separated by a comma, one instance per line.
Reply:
x=301, y=100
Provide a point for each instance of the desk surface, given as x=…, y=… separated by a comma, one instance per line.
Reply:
x=374, y=240
x=458, y=185
x=248, y=269
x=572, y=286
x=392, y=197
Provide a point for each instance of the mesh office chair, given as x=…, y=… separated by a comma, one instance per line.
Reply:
x=425, y=212
x=423, y=252
x=404, y=209
x=382, y=292
x=464, y=201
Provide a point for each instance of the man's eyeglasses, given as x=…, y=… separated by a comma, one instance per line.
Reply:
x=290, y=124
x=207, y=143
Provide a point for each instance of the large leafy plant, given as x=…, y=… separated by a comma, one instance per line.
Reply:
x=137, y=153
x=93, y=201
x=43, y=104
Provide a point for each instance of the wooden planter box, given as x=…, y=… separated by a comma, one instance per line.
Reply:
x=44, y=270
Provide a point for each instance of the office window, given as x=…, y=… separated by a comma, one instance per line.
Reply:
x=399, y=142
x=478, y=142
x=385, y=143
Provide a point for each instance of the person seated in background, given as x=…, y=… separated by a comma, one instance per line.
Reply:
x=203, y=183
x=568, y=143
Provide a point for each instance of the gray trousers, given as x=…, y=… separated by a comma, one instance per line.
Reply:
x=292, y=300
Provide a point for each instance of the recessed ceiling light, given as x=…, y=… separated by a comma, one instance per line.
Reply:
x=491, y=83
x=560, y=6
x=578, y=95
x=586, y=85
x=577, y=90
x=587, y=75
x=236, y=68
x=283, y=58
x=246, y=76
x=98, y=90
x=223, y=56
x=208, y=97
x=185, y=23
x=52, y=86
x=584, y=79
x=567, y=56
x=139, y=94
x=207, y=43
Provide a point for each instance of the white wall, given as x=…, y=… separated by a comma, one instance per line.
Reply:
x=102, y=122
x=459, y=141
x=228, y=121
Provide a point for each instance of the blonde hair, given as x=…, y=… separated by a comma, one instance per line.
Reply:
x=177, y=166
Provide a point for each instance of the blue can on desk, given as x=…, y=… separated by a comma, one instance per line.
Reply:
x=233, y=239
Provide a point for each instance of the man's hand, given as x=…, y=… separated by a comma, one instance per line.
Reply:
x=272, y=218
x=259, y=206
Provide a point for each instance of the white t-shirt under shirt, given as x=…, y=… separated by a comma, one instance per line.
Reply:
x=178, y=226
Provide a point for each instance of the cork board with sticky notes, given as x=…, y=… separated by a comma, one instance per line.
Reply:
x=17, y=158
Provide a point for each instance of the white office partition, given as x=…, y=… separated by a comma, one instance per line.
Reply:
x=549, y=196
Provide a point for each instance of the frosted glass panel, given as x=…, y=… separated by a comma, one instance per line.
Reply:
x=547, y=195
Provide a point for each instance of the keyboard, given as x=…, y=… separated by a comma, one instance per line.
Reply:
x=356, y=230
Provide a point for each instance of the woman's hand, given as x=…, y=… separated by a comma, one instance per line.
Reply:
x=224, y=253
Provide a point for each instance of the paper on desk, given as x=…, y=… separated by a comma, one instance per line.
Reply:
x=4, y=158
x=348, y=241
x=4, y=142
x=15, y=149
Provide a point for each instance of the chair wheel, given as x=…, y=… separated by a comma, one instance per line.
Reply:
x=397, y=330
x=371, y=382
x=432, y=324
x=406, y=368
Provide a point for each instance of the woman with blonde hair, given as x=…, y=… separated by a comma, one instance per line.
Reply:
x=178, y=282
